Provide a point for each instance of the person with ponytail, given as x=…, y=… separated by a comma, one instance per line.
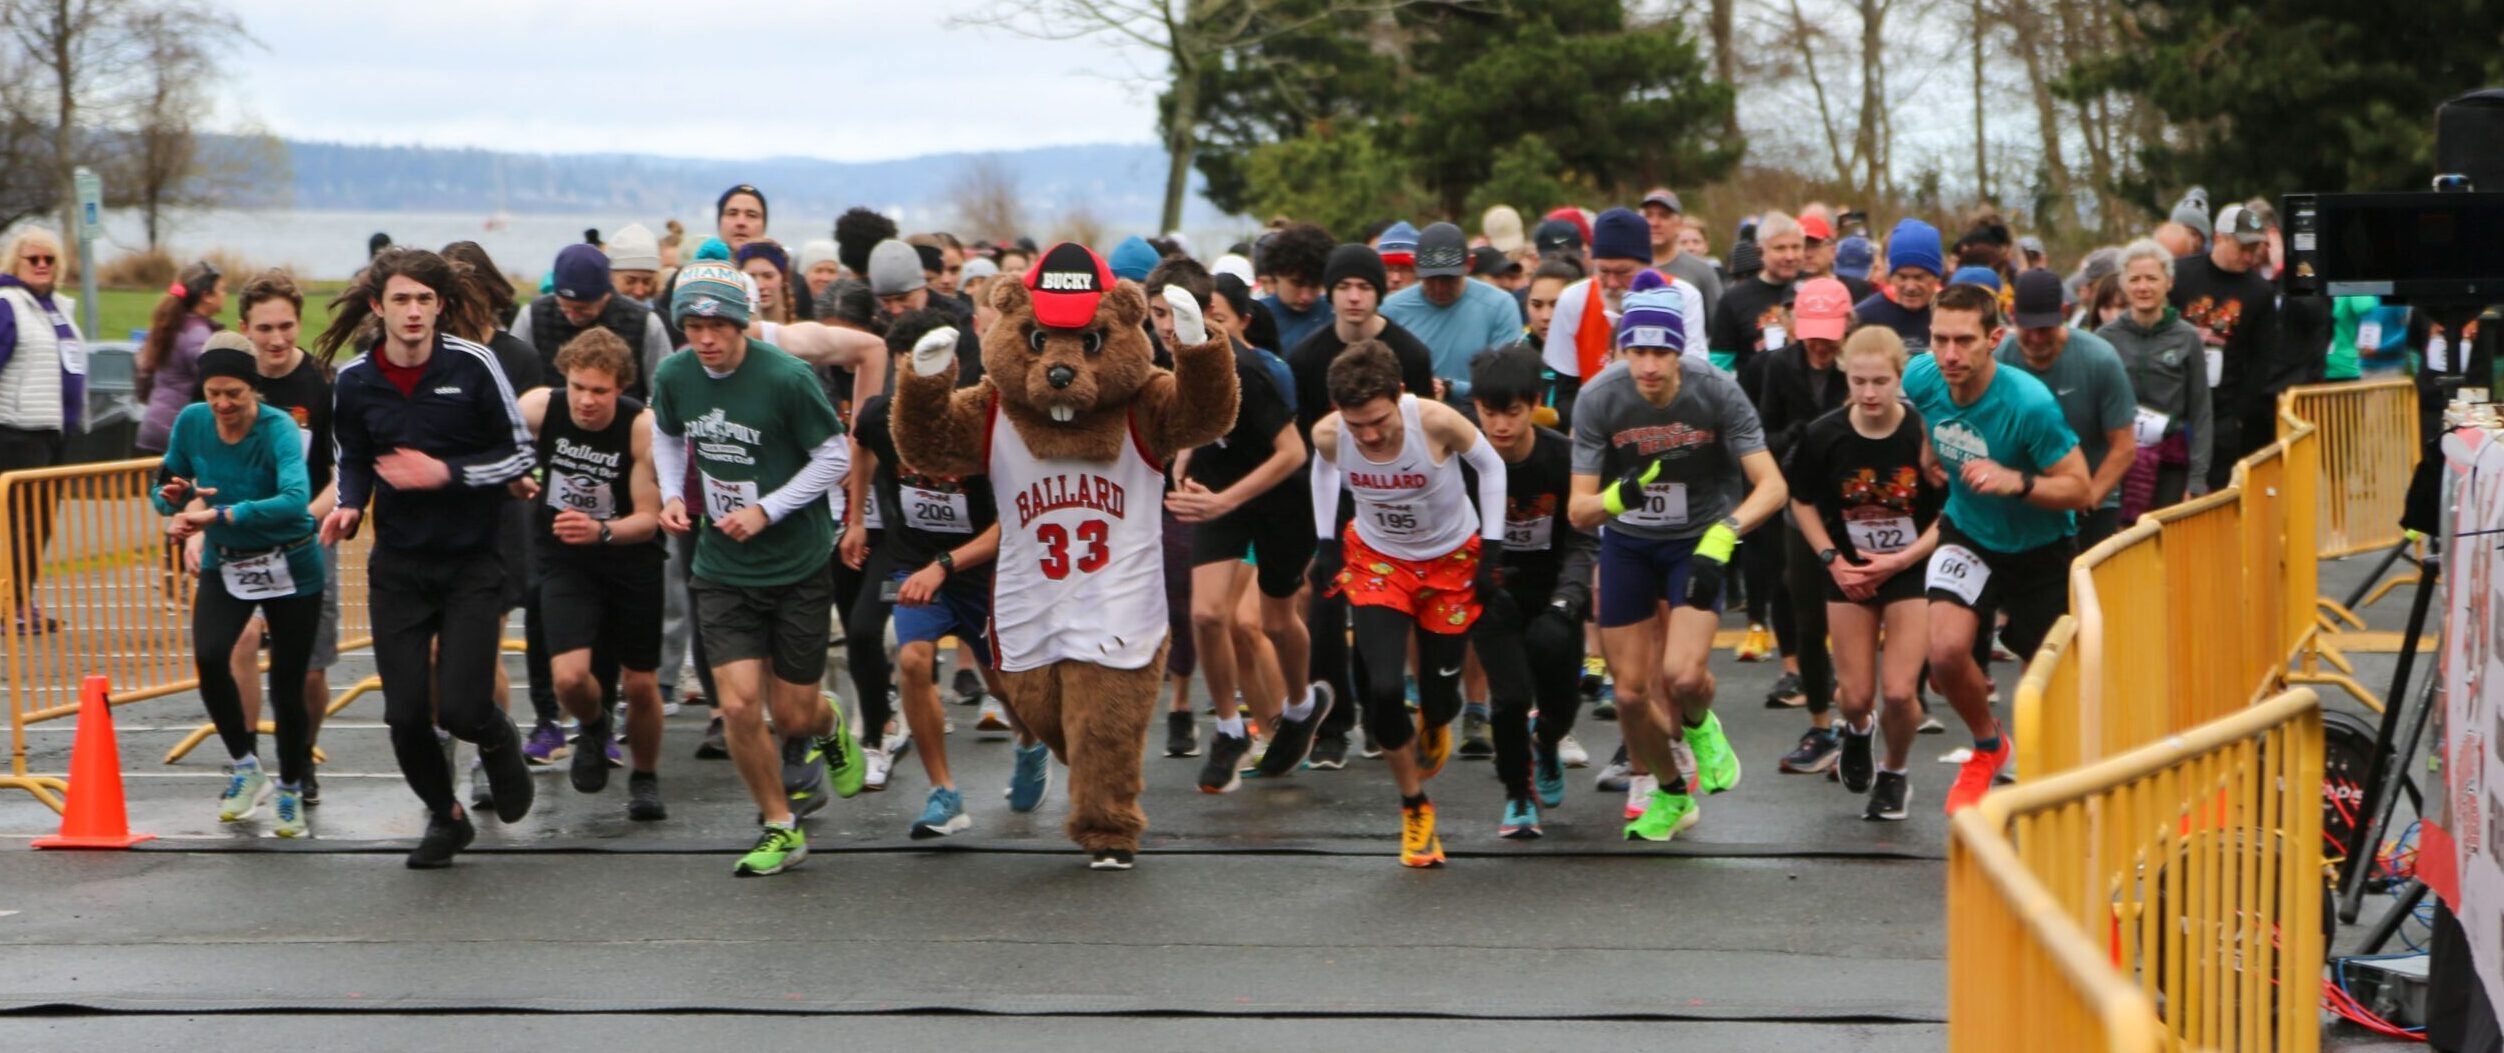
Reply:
x=169, y=359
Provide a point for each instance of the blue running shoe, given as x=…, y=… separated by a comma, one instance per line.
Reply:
x=1521, y=820
x=943, y=815
x=1547, y=774
x=1031, y=779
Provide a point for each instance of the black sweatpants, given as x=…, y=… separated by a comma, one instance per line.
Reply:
x=435, y=618
x=1533, y=656
x=1385, y=633
x=217, y=620
x=1760, y=567
x=1806, y=580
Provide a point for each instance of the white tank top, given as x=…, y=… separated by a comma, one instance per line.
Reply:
x=1408, y=507
x=1081, y=575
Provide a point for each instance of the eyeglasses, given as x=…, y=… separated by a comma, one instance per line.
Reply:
x=41, y=261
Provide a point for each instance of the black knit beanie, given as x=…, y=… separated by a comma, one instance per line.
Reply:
x=1354, y=260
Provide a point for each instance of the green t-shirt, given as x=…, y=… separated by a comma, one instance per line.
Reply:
x=751, y=432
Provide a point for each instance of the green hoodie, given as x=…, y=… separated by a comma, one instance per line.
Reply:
x=2169, y=372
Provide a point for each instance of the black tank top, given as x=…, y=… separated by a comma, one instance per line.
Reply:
x=590, y=472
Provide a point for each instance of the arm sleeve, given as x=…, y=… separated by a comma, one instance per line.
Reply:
x=1558, y=351
x=1325, y=497
x=826, y=466
x=295, y=485
x=352, y=455
x=509, y=456
x=669, y=463
x=1482, y=458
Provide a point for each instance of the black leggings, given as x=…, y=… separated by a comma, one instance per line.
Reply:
x=436, y=646
x=217, y=620
x=865, y=645
x=1533, y=659
x=535, y=658
x=1806, y=578
x=1385, y=633
x=1760, y=567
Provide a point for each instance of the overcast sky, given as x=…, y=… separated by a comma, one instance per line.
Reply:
x=839, y=79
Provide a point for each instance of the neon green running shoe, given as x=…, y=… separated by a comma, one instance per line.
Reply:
x=1716, y=766
x=778, y=848
x=845, y=770
x=1664, y=816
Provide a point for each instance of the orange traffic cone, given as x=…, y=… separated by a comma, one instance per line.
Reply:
x=95, y=816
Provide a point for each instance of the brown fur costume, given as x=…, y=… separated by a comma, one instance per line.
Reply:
x=1094, y=718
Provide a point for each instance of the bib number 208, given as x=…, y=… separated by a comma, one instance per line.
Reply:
x=1093, y=553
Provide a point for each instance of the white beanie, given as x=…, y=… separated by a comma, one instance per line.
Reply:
x=812, y=253
x=1235, y=264
x=633, y=248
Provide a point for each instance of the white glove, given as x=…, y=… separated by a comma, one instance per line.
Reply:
x=934, y=351
x=1189, y=329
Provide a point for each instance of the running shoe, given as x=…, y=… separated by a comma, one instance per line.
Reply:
x=546, y=746
x=1604, y=702
x=968, y=687
x=1292, y=743
x=1855, y=766
x=611, y=752
x=1665, y=815
x=1547, y=776
x=876, y=763
x=713, y=747
x=1477, y=735
x=1371, y=750
x=1224, y=768
x=508, y=775
x=942, y=814
x=1887, y=797
x=1930, y=725
x=1816, y=752
x=778, y=848
x=803, y=776
x=1975, y=777
x=643, y=797
x=445, y=836
x=842, y=753
x=1330, y=753
x=1716, y=765
x=1756, y=646
x=1110, y=859
x=1182, y=734
x=290, y=813
x=590, y=768
x=1787, y=693
x=994, y=720
x=1683, y=755
x=1419, y=847
x=1521, y=820
x=2000, y=651
x=1031, y=779
x=1434, y=746
x=1613, y=775
x=1570, y=751
x=312, y=788
x=1639, y=790
x=1594, y=672
x=246, y=790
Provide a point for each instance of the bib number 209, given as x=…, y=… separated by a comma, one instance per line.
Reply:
x=1093, y=554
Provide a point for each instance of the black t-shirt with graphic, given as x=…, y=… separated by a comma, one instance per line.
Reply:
x=925, y=515
x=1262, y=412
x=1870, y=493
x=305, y=396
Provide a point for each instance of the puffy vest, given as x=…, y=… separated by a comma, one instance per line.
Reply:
x=30, y=385
x=550, y=329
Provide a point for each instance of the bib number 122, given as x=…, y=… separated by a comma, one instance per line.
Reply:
x=1094, y=554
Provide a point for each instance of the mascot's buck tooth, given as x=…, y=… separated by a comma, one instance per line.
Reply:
x=1073, y=425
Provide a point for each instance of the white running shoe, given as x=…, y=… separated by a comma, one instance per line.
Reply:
x=874, y=767
x=1639, y=794
x=1685, y=756
x=1571, y=754
x=993, y=722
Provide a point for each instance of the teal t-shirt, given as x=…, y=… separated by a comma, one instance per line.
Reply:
x=750, y=432
x=261, y=481
x=2017, y=423
x=2093, y=388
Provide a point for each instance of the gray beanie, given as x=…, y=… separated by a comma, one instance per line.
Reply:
x=2192, y=212
x=894, y=269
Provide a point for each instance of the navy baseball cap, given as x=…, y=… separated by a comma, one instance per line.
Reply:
x=582, y=273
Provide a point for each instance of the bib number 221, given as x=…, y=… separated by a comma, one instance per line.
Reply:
x=1093, y=554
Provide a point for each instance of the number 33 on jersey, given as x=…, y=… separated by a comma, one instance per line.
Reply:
x=1081, y=574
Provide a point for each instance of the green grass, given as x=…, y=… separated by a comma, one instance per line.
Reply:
x=118, y=311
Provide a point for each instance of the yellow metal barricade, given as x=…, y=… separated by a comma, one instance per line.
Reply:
x=2195, y=861
x=2369, y=449
x=2047, y=712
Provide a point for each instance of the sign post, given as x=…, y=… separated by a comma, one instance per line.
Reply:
x=90, y=229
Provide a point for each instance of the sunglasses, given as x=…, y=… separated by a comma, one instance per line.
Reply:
x=42, y=261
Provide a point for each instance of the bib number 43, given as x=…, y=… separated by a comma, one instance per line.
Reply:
x=1094, y=553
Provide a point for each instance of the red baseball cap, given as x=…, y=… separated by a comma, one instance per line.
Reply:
x=1816, y=228
x=1570, y=214
x=1820, y=308
x=1066, y=284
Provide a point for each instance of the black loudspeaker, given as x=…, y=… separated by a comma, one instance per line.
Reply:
x=2469, y=138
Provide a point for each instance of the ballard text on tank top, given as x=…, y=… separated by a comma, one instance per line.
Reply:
x=1081, y=574
x=590, y=472
x=1408, y=507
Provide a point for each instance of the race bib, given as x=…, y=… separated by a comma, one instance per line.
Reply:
x=1664, y=505
x=2148, y=428
x=1877, y=537
x=935, y=511
x=2216, y=366
x=1398, y=523
x=1956, y=569
x=871, y=517
x=73, y=357
x=263, y=577
x=2439, y=354
x=1776, y=338
x=2369, y=337
x=581, y=493
x=1529, y=535
x=723, y=497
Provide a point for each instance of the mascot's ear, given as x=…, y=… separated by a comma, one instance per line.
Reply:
x=1129, y=304
x=1008, y=297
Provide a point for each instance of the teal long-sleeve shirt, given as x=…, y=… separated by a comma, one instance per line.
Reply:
x=260, y=480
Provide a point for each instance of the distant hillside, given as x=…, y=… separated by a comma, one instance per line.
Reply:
x=1119, y=184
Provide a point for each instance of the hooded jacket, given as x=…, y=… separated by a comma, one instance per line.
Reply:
x=2169, y=374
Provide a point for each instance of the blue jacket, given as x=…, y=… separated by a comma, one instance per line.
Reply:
x=462, y=414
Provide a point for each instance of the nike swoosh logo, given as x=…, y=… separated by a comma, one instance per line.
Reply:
x=1454, y=671
x=2063, y=391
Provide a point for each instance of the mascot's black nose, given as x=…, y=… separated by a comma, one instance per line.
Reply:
x=1060, y=376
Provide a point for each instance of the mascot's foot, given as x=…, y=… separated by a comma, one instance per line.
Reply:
x=1112, y=859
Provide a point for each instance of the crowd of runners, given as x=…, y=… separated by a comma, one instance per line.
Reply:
x=1479, y=487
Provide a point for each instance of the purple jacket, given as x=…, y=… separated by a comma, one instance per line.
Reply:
x=172, y=387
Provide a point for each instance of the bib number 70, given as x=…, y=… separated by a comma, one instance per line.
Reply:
x=1092, y=535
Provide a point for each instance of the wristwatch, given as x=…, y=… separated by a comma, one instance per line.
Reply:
x=1828, y=556
x=604, y=532
x=2027, y=489
x=946, y=563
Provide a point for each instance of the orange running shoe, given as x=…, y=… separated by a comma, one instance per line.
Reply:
x=1974, y=779
x=1434, y=746
x=1756, y=646
x=1419, y=847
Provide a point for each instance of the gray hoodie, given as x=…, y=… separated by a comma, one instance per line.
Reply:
x=2169, y=372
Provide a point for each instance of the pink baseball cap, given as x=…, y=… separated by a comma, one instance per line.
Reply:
x=1820, y=308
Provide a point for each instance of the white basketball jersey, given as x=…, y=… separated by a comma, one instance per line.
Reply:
x=1081, y=575
x=1409, y=506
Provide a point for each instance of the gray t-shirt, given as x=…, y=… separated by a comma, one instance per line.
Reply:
x=2093, y=388
x=1688, y=267
x=1699, y=438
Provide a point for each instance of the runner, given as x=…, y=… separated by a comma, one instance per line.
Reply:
x=1530, y=634
x=2088, y=379
x=1409, y=564
x=243, y=462
x=2014, y=474
x=1796, y=385
x=1292, y=261
x=596, y=559
x=1915, y=263
x=427, y=431
x=2169, y=376
x=1454, y=316
x=1661, y=217
x=1581, y=341
x=585, y=298
x=767, y=446
x=1689, y=473
x=1869, y=514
